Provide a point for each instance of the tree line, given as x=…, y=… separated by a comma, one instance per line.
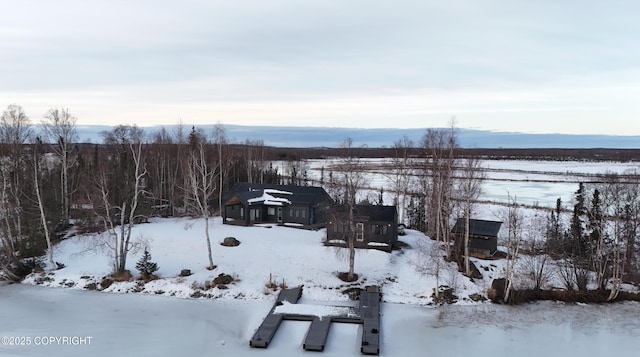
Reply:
x=51, y=185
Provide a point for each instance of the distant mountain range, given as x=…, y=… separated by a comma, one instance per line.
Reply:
x=331, y=137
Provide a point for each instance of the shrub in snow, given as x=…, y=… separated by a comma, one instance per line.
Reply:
x=106, y=282
x=222, y=279
x=35, y=264
x=445, y=296
x=145, y=266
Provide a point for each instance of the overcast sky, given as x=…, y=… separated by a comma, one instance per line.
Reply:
x=543, y=66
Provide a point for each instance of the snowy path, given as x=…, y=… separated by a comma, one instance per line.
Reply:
x=137, y=324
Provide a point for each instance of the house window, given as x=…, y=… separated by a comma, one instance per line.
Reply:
x=359, y=232
x=271, y=211
x=379, y=229
x=297, y=213
x=303, y=214
x=241, y=212
x=290, y=212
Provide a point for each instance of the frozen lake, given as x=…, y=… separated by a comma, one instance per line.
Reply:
x=136, y=325
x=536, y=183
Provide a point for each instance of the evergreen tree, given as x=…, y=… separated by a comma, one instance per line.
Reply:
x=416, y=214
x=145, y=266
x=555, y=237
x=595, y=219
x=579, y=240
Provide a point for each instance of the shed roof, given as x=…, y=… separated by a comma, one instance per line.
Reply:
x=478, y=227
x=374, y=212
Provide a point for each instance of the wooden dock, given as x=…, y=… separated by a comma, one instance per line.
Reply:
x=317, y=334
x=367, y=314
x=270, y=324
x=370, y=314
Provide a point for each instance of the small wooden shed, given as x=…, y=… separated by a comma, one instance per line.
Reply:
x=483, y=236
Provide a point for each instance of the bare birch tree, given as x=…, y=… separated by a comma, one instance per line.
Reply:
x=617, y=198
x=439, y=146
x=533, y=263
x=60, y=131
x=120, y=196
x=428, y=260
x=469, y=191
x=220, y=140
x=514, y=235
x=400, y=174
x=351, y=179
x=200, y=184
x=43, y=216
x=15, y=131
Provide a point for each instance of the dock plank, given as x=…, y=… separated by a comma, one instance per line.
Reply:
x=370, y=313
x=290, y=295
x=317, y=334
x=263, y=336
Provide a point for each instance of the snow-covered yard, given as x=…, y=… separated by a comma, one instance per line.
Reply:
x=283, y=254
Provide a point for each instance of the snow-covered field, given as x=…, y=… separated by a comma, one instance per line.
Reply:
x=531, y=182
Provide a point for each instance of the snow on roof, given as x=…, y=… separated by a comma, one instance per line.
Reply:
x=274, y=191
x=269, y=200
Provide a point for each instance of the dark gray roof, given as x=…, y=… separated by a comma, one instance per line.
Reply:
x=300, y=195
x=478, y=227
x=374, y=212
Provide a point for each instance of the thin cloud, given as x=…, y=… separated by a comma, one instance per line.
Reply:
x=514, y=65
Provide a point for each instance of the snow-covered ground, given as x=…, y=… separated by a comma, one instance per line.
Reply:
x=283, y=254
x=531, y=182
x=144, y=325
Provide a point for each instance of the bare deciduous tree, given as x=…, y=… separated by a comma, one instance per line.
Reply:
x=351, y=179
x=469, y=191
x=43, y=216
x=400, y=174
x=220, y=140
x=514, y=235
x=60, y=131
x=617, y=198
x=428, y=260
x=437, y=182
x=15, y=131
x=119, y=200
x=534, y=262
x=200, y=184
